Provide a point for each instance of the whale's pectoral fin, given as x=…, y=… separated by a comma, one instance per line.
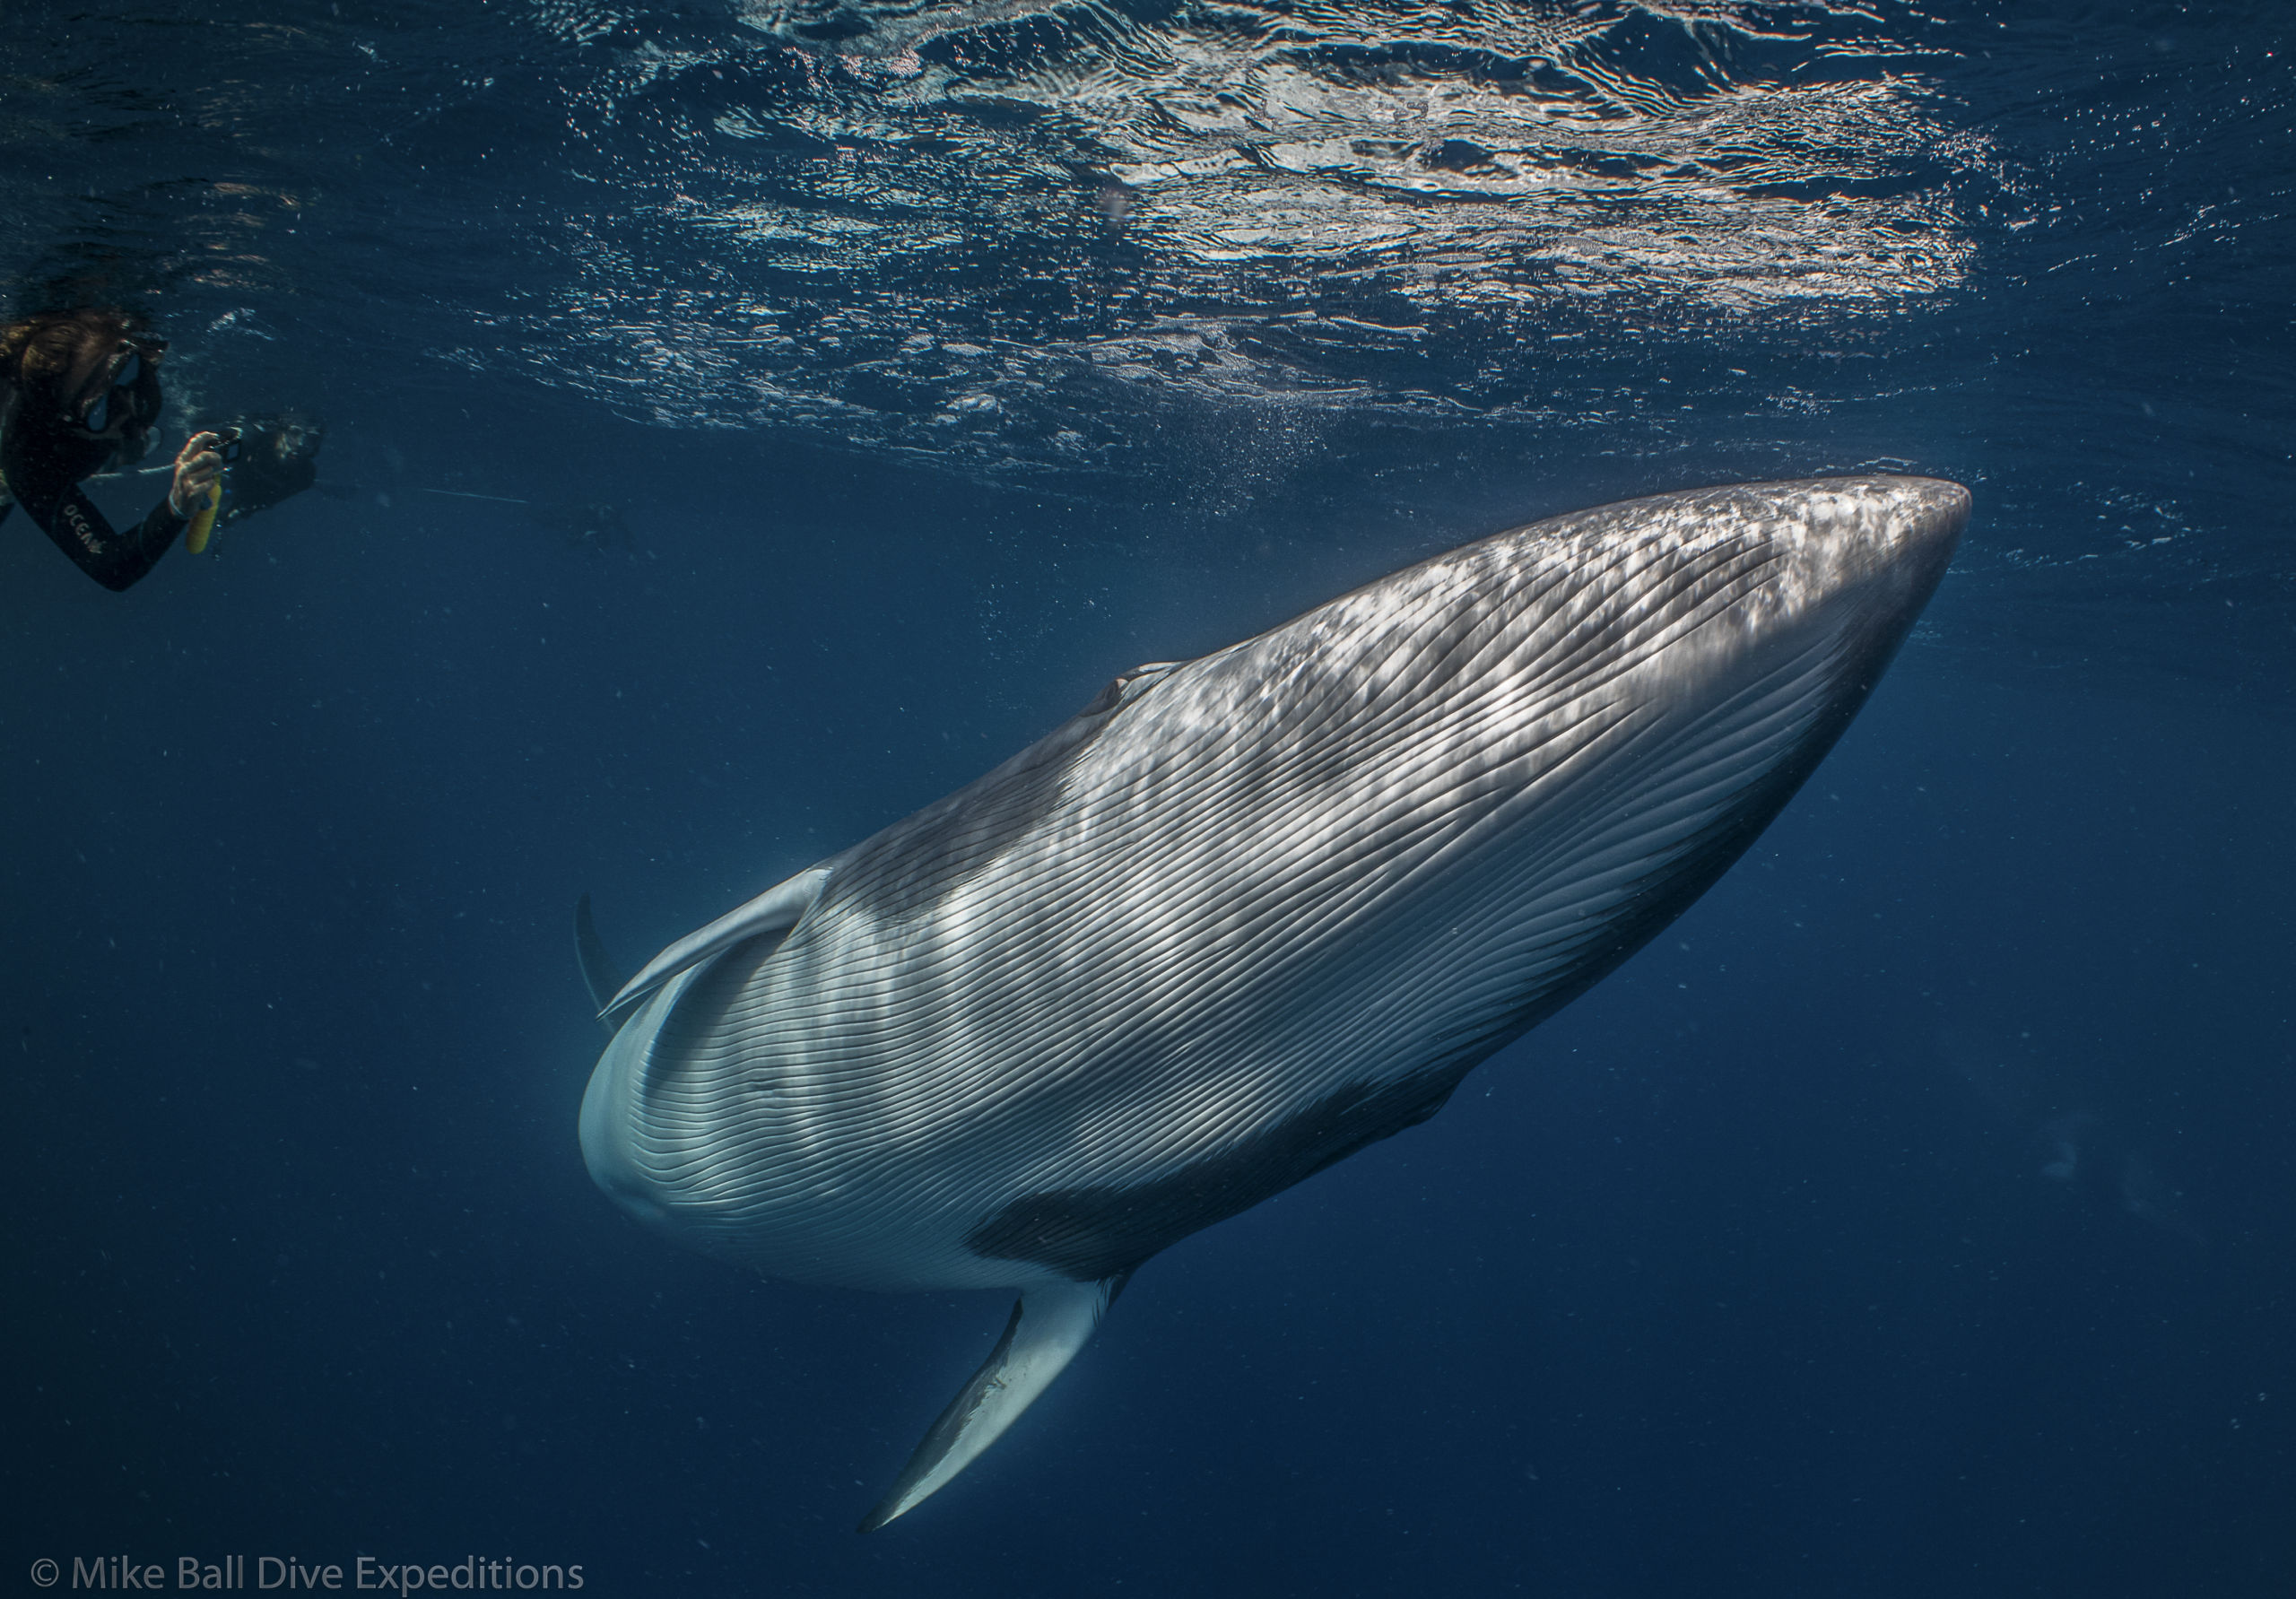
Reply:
x=1049, y=1324
x=598, y=968
x=776, y=910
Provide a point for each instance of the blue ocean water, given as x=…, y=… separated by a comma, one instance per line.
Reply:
x=747, y=422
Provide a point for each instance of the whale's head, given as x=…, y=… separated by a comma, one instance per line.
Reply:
x=1703, y=582
x=1702, y=590
x=1621, y=699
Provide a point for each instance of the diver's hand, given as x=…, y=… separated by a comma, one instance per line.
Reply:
x=197, y=465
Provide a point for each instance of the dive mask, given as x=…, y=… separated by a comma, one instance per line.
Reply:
x=123, y=394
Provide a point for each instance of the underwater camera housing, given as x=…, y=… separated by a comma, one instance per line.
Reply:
x=271, y=458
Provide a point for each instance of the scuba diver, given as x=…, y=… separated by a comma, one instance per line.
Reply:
x=79, y=394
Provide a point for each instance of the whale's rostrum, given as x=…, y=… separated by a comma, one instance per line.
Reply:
x=1246, y=914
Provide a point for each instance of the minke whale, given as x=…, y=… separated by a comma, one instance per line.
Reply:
x=1242, y=916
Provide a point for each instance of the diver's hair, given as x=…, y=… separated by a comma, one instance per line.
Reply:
x=49, y=361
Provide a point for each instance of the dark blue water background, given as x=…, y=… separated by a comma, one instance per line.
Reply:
x=1917, y=1216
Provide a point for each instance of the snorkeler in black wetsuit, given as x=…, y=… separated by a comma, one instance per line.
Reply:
x=80, y=392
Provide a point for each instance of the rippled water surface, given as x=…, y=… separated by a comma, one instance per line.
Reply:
x=747, y=422
x=1070, y=243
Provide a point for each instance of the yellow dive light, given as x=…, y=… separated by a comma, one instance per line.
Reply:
x=203, y=521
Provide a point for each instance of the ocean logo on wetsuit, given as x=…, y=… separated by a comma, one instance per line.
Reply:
x=81, y=530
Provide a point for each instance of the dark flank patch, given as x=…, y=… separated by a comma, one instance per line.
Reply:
x=1092, y=1233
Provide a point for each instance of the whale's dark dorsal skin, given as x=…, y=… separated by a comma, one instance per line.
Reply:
x=1243, y=915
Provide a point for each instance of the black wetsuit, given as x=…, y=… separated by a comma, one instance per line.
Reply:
x=44, y=469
